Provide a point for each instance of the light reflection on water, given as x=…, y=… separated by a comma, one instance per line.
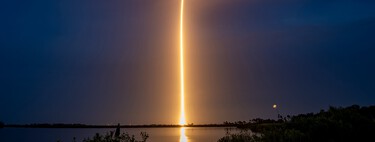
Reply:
x=183, y=137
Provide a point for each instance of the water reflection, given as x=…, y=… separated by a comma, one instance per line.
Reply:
x=183, y=137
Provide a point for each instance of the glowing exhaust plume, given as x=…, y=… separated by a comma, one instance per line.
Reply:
x=182, y=116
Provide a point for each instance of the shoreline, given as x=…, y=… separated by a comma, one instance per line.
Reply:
x=112, y=126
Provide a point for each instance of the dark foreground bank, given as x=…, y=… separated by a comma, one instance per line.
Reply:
x=353, y=123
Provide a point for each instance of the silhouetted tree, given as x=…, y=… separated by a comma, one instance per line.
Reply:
x=1, y=124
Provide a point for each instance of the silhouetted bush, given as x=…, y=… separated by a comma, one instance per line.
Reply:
x=1, y=124
x=352, y=123
x=109, y=137
x=243, y=136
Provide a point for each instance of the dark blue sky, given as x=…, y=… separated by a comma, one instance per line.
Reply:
x=95, y=61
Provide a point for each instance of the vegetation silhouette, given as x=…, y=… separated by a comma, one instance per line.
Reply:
x=353, y=123
x=1, y=124
x=109, y=137
x=117, y=132
x=115, y=136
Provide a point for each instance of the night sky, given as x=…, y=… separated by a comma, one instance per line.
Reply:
x=110, y=61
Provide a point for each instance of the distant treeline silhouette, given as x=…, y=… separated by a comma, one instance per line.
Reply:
x=1, y=124
x=353, y=123
x=62, y=125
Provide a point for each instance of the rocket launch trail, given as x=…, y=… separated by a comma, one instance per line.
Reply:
x=182, y=83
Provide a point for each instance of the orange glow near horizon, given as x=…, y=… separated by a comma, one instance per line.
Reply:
x=182, y=116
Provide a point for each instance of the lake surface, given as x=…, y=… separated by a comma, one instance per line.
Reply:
x=187, y=134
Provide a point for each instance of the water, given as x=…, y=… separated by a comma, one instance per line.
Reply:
x=187, y=134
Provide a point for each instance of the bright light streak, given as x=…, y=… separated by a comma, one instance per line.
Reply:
x=183, y=137
x=182, y=116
